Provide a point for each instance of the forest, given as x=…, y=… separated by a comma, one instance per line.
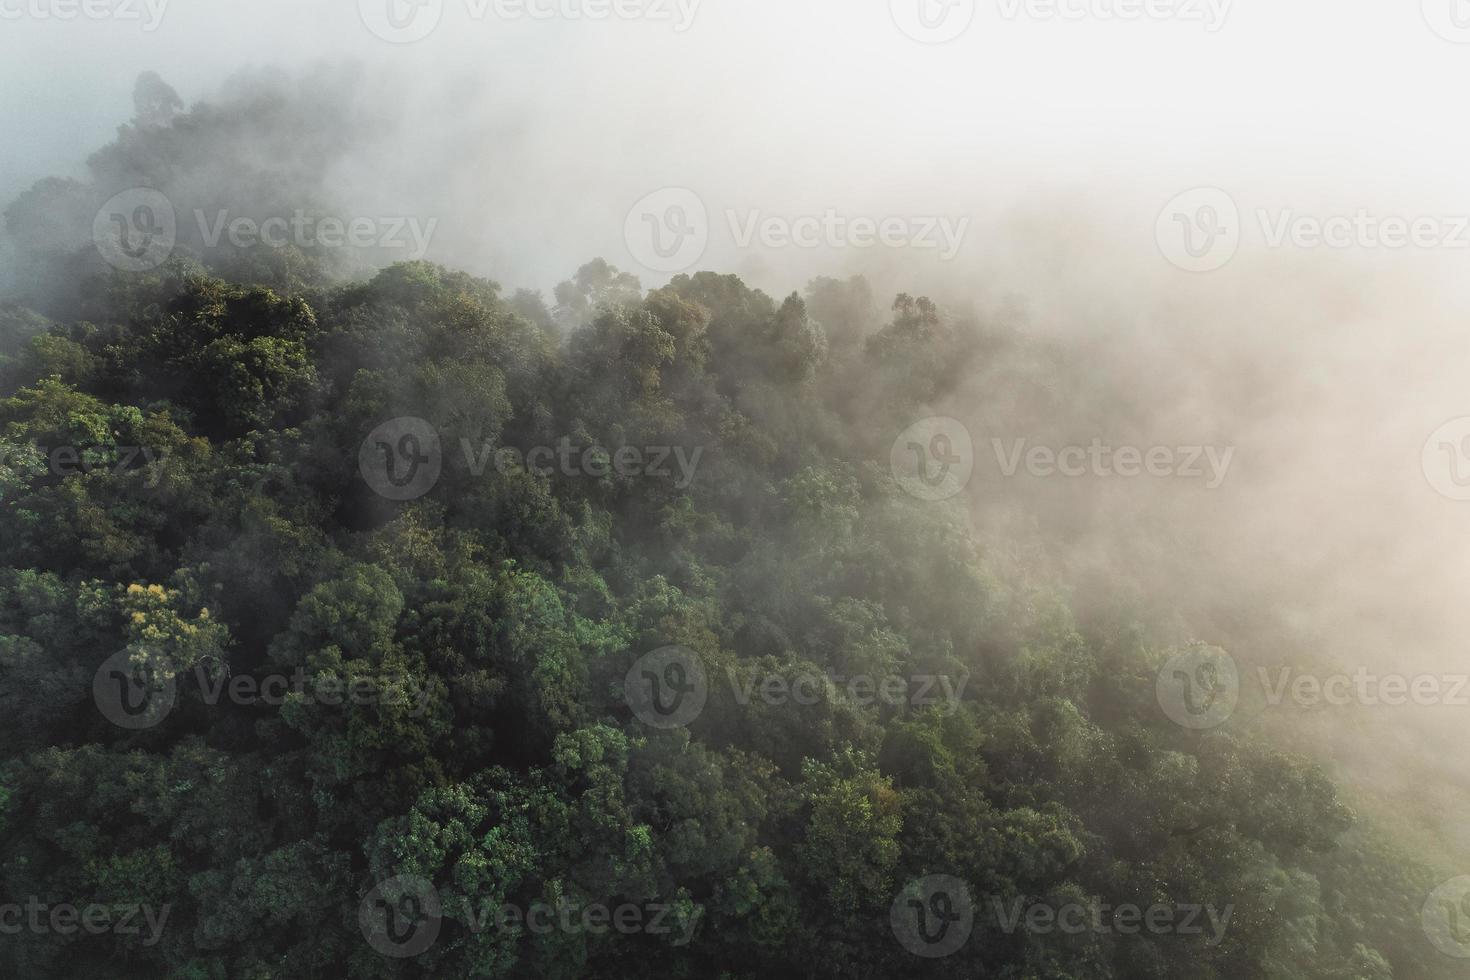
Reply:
x=391, y=623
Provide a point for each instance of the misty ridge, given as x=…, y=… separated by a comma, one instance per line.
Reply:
x=1170, y=547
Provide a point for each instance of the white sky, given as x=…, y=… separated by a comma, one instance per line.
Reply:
x=1351, y=90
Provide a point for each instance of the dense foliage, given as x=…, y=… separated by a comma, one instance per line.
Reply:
x=775, y=836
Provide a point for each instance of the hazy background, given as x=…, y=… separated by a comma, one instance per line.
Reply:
x=1060, y=141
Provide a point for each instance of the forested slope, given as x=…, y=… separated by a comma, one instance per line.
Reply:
x=293, y=650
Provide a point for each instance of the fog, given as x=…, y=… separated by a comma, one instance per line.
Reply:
x=1055, y=144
